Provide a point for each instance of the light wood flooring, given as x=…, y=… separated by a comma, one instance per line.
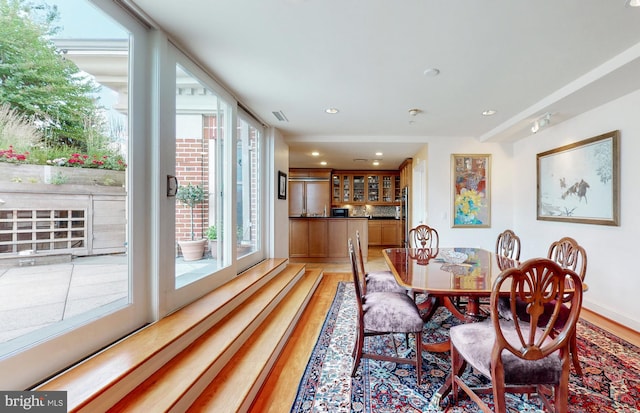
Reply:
x=278, y=393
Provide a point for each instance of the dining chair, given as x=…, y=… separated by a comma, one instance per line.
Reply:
x=508, y=245
x=376, y=281
x=423, y=236
x=382, y=313
x=569, y=254
x=507, y=249
x=521, y=357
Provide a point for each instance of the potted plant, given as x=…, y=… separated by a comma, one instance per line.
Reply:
x=212, y=236
x=191, y=196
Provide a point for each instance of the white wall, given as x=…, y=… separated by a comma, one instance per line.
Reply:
x=439, y=193
x=280, y=216
x=613, y=282
x=612, y=277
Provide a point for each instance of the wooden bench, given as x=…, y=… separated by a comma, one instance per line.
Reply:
x=216, y=351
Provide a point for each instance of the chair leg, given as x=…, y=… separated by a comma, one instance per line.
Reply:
x=357, y=350
x=573, y=348
x=418, y=357
x=499, y=400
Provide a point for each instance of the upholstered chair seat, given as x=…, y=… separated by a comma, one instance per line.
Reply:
x=377, y=281
x=475, y=342
x=383, y=281
x=384, y=312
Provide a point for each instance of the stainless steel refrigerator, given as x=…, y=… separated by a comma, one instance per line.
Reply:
x=404, y=216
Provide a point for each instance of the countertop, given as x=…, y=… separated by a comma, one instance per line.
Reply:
x=372, y=218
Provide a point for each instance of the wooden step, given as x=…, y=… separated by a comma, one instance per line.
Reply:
x=100, y=381
x=235, y=387
x=174, y=386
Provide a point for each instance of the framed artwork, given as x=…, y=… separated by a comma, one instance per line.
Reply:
x=282, y=185
x=471, y=190
x=580, y=182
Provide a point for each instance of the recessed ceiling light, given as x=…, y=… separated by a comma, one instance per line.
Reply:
x=332, y=111
x=323, y=163
x=314, y=153
x=432, y=72
x=376, y=163
x=632, y=3
x=489, y=112
x=378, y=153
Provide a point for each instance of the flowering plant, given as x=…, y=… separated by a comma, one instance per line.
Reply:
x=9, y=155
x=85, y=161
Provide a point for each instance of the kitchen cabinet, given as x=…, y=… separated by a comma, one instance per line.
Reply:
x=308, y=238
x=309, y=192
x=298, y=237
x=366, y=187
x=308, y=198
x=384, y=232
x=324, y=239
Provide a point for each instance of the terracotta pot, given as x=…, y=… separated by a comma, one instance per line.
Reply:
x=192, y=250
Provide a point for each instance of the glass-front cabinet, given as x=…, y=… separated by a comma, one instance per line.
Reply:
x=358, y=189
x=373, y=188
x=379, y=188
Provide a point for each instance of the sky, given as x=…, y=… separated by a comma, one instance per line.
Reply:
x=81, y=19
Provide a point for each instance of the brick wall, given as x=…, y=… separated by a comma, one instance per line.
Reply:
x=192, y=165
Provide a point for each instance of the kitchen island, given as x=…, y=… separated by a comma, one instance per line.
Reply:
x=324, y=239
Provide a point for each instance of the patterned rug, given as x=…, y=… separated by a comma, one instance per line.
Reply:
x=611, y=381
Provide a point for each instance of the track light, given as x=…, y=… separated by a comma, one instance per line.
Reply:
x=541, y=122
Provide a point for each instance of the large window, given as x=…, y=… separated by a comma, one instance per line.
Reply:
x=200, y=134
x=115, y=253
x=69, y=214
x=249, y=139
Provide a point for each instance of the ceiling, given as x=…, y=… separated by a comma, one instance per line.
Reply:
x=371, y=58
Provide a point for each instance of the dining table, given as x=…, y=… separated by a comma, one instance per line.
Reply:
x=462, y=287
x=458, y=286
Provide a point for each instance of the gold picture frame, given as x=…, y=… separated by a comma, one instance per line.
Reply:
x=580, y=182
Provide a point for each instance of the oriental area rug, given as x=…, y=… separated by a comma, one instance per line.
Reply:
x=611, y=366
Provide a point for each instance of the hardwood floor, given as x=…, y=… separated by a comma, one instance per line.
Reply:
x=278, y=393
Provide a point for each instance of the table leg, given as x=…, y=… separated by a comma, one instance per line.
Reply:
x=444, y=390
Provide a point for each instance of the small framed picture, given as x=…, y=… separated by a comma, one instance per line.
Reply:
x=282, y=185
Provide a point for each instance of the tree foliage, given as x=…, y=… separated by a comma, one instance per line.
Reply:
x=37, y=80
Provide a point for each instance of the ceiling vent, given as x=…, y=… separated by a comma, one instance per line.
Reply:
x=280, y=116
x=360, y=160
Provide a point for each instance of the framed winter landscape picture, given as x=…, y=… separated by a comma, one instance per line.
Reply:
x=580, y=182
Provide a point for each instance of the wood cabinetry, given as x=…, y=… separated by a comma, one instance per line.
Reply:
x=324, y=239
x=365, y=187
x=385, y=232
x=308, y=238
x=309, y=192
x=406, y=172
x=298, y=238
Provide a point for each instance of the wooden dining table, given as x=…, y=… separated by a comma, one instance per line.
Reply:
x=459, y=287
